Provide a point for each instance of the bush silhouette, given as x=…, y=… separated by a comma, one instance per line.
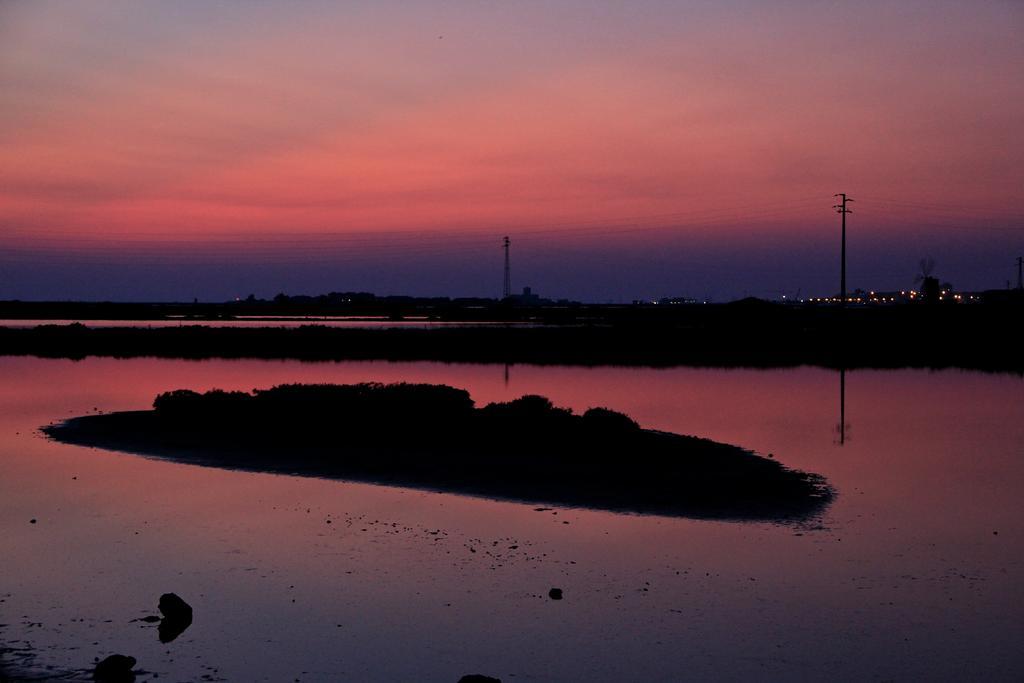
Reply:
x=605, y=420
x=433, y=436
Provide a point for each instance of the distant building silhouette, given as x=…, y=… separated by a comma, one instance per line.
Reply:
x=527, y=298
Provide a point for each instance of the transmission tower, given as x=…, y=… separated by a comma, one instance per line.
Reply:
x=507, y=291
x=842, y=211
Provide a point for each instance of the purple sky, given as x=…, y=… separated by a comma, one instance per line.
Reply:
x=165, y=151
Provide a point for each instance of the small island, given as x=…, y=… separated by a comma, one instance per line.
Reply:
x=434, y=437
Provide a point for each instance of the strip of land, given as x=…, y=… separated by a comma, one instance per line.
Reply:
x=977, y=337
x=432, y=436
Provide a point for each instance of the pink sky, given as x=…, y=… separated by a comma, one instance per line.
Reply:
x=260, y=133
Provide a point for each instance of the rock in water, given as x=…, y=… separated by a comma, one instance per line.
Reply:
x=478, y=678
x=177, y=617
x=555, y=593
x=115, y=669
x=173, y=607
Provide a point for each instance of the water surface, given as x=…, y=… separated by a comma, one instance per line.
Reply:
x=914, y=572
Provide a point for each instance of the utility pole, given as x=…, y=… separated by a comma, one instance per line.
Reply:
x=842, y=211
x=507, y=291
x=1020, y=272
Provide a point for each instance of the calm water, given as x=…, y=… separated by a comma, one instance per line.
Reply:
x=914, y=573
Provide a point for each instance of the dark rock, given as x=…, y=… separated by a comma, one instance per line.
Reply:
x=32, y=521
x=173, y=607
x=177, y=617
x=115, y=669
x=168, y=630
x=555, y=593
x=478, y=678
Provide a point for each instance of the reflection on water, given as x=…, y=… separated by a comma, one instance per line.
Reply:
x=842, y=427
x=915, y=573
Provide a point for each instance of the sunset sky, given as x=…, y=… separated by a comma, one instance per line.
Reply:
x=171, y=150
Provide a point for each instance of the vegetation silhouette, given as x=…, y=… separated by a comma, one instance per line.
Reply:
x=743, y=334
x=433, y=436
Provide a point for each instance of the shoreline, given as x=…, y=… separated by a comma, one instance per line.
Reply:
x=931, y=342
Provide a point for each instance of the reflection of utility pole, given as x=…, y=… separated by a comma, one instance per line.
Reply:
x=842, y=211
x=842, y=426
x=506, y=374
x=507, y=292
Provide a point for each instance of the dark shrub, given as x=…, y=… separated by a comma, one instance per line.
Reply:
x=530, y=406
x=176, y=401
x=211, y=405
x=408, y=404
x=607, y=420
